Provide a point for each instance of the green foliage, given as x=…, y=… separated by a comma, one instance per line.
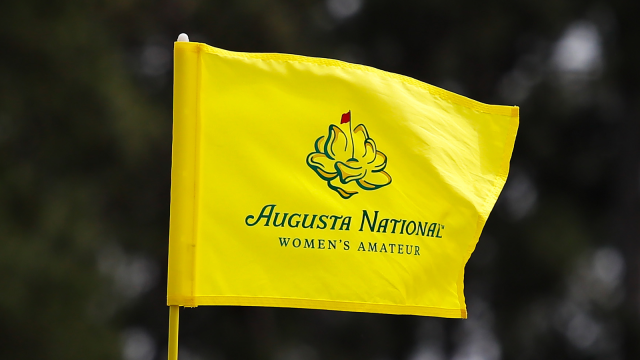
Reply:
x=85, y=156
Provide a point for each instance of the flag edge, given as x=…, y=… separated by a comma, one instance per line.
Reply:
x=492, y=198
x=333, y=305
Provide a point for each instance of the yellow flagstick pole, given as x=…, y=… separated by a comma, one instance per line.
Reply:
x=174, y=315
x=174, y=310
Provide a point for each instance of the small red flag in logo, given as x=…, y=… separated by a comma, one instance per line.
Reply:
x=346, y=117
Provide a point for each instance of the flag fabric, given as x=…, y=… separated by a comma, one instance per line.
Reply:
x=313, y=183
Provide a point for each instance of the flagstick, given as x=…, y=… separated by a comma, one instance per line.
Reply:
x=174, y=314
x=174, y=310
x=353, y=146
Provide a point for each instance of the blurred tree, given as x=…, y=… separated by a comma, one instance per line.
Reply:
x=78, y=139
x=85, y=139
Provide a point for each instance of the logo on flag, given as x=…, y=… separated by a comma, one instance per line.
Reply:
x=349, y=162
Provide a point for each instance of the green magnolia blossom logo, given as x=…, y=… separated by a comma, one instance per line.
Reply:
x=349, y=162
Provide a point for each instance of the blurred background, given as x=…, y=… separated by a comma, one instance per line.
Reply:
x=85, y=162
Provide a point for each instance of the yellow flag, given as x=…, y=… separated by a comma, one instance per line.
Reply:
x=312, y=183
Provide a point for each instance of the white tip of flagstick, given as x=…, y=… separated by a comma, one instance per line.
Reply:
x=183, y=37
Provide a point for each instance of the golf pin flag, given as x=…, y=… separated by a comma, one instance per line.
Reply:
x=313, y=183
